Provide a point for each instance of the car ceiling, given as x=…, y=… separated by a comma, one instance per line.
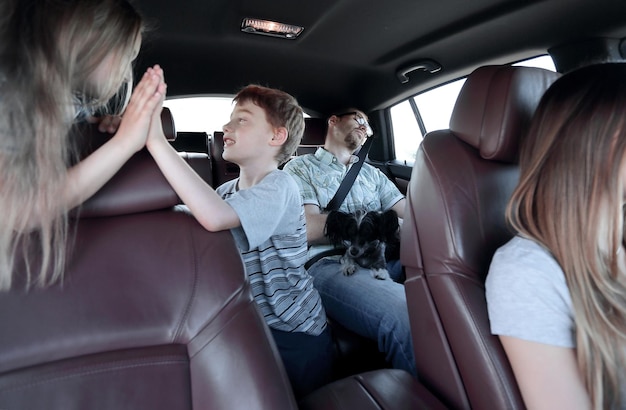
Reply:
x=350, y=50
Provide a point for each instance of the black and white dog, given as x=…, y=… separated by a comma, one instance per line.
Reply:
x=369, y=239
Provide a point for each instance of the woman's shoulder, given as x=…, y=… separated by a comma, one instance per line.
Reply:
x=525, y=250
x=523, y=262
x=527, y=294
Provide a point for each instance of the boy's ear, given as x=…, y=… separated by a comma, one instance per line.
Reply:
x=280, y=136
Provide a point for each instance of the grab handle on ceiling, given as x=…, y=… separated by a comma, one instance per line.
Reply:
x=430, y=66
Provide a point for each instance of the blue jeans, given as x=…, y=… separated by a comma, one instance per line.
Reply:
x=373, y=308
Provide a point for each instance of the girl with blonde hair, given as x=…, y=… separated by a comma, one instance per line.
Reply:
x=60, y=62
x=557, y=291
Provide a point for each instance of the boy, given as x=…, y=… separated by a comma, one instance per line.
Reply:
x=264, y=211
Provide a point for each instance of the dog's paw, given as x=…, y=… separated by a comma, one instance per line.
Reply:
x=381, y=274
x=348, y=267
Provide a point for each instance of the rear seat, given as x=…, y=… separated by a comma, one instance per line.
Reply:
x=313, y=137
x=191, y=142
x=167, y=122
x=354, y=353
x=155, y=312
x=191, y=146
x=89, y=138
x=223, y=171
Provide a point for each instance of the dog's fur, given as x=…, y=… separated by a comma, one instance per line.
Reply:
x=370, y=238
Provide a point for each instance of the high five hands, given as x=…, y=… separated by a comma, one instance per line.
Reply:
x=142, y=112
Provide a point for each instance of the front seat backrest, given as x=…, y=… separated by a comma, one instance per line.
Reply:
x=314, y=135
x=460, y=184
x=154, y=312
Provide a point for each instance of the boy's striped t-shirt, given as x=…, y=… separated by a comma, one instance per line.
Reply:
x=272, y=242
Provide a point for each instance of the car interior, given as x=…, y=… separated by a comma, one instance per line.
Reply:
x=455, y=223
x=155, y=312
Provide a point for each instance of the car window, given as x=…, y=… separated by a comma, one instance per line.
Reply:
x=412, y=118
x=200, y=114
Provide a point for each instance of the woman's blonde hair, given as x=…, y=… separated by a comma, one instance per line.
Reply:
x=570, y=199
x=49, y=52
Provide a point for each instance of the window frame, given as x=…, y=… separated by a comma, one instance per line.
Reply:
x=407, y=157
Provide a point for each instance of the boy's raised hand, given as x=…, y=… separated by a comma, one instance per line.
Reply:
x=155, y=133
x=146, y=99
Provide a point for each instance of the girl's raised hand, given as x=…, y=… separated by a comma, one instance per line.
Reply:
x=146, y=99
x=156, y=126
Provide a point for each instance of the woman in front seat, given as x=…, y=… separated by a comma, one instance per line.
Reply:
x=557, y=291
x=60, y=61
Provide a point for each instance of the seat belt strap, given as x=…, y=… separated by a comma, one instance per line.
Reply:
x=348, y=180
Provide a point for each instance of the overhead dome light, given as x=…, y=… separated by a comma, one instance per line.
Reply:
x=270, y=28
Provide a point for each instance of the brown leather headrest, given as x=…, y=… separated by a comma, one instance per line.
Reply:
x=139, y=186
x=314, y=131
x=167, y=120
x=495, y=106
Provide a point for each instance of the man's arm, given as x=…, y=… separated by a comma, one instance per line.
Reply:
x=315, y=219
x=315, y=222
x=400, y=207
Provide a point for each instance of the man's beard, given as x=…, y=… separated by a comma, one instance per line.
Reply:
x=353, y=140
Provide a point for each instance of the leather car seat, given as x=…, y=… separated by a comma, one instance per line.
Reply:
x=460, y=184
x=314, y=135
x=167, y=122
x=154, y=312
x=191, y=141
x=223, y=171
x=192, y=146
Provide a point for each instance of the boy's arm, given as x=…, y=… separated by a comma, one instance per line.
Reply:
x=89, y=175
x=211, y=211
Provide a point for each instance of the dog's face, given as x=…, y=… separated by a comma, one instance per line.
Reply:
x=363, y=234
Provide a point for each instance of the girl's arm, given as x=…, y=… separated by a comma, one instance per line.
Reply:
x=89, y=175
x=211, y=211
x=548, y=376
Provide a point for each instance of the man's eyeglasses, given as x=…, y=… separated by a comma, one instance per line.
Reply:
x=360, y=120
